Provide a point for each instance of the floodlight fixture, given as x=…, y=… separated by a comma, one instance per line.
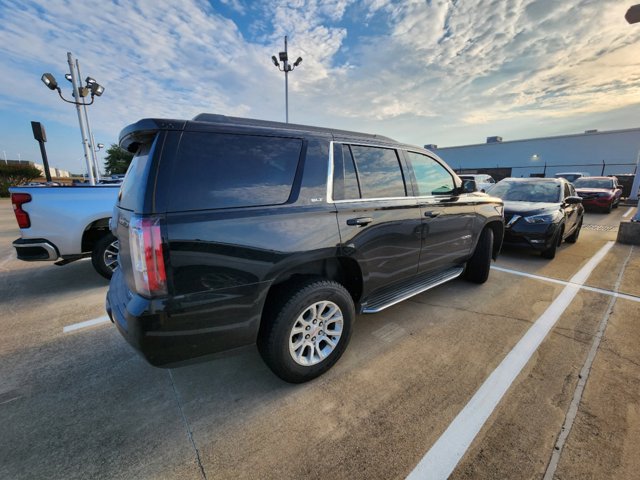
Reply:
x=96, y=89
x=275, y=61
x=68, y=77
x=297, y=62
x=49, y=80
x=100, y=146
x=90, y=81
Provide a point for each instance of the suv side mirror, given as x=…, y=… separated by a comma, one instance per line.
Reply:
x=469, y=186
x=573, y=200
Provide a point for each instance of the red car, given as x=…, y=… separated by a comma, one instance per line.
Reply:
x=599, y=192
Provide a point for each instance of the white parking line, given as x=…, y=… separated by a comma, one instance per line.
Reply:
x=628, y=212
x=85, y=324
x=611, y=293
x=442, y=458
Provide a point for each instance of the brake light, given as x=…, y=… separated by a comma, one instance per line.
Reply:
x=19, y=199
x=145, y=243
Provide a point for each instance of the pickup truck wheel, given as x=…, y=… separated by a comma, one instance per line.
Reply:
x=478, y=266
x=305, y=335
x=105, y=255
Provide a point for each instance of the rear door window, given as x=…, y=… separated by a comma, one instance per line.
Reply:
x=378, y=170
x=345, y=179
x=221, y=170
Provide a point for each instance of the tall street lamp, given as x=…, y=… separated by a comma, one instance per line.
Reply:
x=79, y=94
x=287, y=67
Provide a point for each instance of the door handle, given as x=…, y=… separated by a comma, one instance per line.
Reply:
x=431, y=214
x=362, y=221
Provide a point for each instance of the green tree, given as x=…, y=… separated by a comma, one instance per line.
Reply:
x=116, y=160
x=11, y=175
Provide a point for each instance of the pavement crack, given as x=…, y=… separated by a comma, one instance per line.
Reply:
x=187, y=426
x=468, y=310
x=572, y=411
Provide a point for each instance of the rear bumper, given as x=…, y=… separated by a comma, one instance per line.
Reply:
x=35, y=249
x=597, y=202
x=167, y=332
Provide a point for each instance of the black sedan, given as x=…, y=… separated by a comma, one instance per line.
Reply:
x=540, y=212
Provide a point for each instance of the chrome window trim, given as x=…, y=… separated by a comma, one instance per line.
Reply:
x=330, y=174
x=331, y=167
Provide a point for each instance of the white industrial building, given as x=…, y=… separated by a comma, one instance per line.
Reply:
x=611, y=152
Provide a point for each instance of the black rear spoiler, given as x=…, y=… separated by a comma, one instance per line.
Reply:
x=143, y=131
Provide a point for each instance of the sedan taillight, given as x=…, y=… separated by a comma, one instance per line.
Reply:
x=19, y=199
x=145, y=243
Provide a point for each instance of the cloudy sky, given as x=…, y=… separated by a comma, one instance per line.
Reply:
x=449, y=72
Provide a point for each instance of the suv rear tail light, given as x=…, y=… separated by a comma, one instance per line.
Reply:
x=145, y=243
x=19, y=199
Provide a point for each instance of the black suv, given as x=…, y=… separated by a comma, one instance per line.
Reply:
x=236, y=231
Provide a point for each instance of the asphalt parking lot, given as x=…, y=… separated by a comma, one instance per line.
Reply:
x=430, y=384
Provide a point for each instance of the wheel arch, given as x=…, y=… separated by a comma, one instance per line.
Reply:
x=497, y=226
x=94, y=232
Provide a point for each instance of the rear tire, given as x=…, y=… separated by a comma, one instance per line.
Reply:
x=479, y=265
x=104, y=256
x=306, y=330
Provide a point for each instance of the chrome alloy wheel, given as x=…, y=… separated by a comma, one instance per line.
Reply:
x=315, y=333
x=110, y=255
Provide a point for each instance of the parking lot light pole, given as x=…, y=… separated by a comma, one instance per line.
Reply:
x=79, y=93
x=76, y=96
x=287, y=67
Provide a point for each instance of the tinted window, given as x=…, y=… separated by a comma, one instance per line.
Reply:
x=133, y=186
x=550, y=192
x=379, y=172
x=215, y=170
x=432, y=178
x=345, y=180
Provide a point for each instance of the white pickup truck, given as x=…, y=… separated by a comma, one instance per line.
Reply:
x=66, y=223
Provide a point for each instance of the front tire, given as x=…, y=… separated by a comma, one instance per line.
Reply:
x=479, y=265
x=573, y=238
x=550, y=253
x=307, y=330
x=104, y=256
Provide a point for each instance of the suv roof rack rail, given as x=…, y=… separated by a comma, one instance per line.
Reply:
x=217, y=118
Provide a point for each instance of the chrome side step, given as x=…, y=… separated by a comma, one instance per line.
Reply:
x=390, y=296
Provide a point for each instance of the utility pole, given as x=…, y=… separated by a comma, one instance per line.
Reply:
x=76, y=96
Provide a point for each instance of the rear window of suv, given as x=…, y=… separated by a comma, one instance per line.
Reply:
x=219, y=170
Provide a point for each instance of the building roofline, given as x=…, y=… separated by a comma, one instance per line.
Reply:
x=604, y=132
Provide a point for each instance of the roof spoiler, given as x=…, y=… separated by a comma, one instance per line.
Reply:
x=143, y=131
